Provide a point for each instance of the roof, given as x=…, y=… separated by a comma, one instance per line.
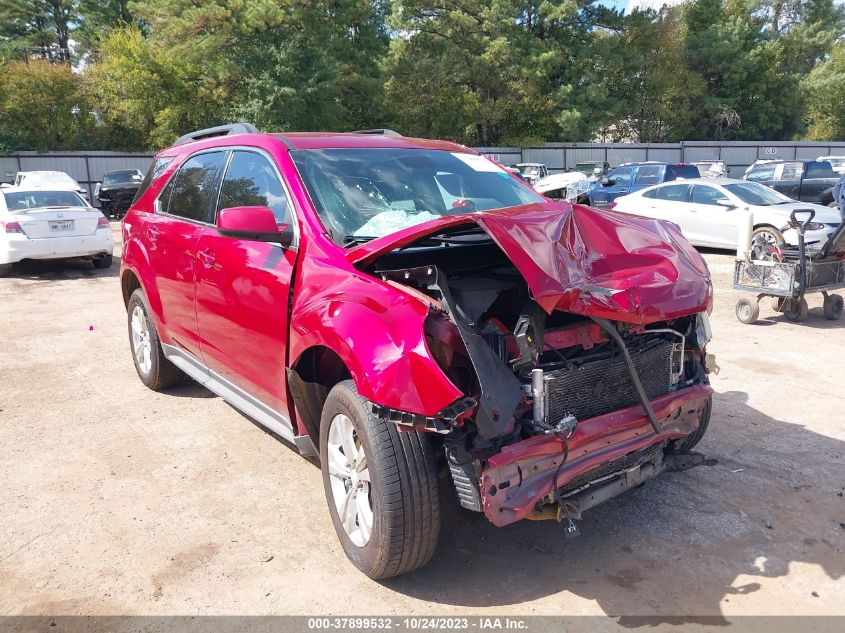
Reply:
x=703, y=181
x=315, y=140
x=332, y=140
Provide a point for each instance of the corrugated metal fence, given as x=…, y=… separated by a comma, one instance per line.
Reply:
x=737, y=154
x=88, y=168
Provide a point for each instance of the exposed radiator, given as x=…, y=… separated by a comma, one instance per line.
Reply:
x=603, y=385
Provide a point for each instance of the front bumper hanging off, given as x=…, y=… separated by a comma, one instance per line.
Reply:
x=608, y=454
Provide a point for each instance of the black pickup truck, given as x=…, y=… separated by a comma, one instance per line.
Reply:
x=117, y=191
x=804, y=180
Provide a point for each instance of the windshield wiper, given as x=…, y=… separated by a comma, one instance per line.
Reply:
x=467, y=236
x=353, y=240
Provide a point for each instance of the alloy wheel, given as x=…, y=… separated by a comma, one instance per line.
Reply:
x=350, y=480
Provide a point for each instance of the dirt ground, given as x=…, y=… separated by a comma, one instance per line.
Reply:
x=118, y=500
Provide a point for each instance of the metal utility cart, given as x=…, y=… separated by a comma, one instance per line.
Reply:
x=788, y=276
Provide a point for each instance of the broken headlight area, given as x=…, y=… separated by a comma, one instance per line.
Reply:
x=562, y=410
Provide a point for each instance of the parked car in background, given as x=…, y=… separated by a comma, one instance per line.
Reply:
x=710, y=212
x=385, y=303
x=758, y=162
x=532, y=172
x=593, y=169
x=837, y=162
x=117, y=190
x=630, y=177
x=44, y=223
x=712, y=168
x=558, y=186
x=805, y=180
x=53, y=179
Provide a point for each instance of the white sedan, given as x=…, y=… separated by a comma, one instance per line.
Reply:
x=38, y=223
x=710, y=213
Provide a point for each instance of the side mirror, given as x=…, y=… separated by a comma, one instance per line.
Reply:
x=726, y=203
x=253, y=223
x=607, y=182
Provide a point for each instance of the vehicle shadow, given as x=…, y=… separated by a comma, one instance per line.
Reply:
x=673, y=550
x=815, y=319
x=61, y=269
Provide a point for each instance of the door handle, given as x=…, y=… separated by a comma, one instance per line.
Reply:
x=206, y=258
x=152, y=233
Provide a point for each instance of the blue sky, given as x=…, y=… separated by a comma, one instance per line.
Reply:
x=628, y=4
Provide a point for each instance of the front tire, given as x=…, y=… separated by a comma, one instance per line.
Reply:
x=770, y=234
x=154, y=370
x=381, y=486
x=5, y=270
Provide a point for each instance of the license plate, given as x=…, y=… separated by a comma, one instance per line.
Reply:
x=59, y=226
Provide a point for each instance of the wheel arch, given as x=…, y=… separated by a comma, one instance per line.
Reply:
x=310, y=378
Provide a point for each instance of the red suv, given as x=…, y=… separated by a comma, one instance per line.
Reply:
x=405, y=307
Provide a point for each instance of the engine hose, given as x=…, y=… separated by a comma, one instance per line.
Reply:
x=607, y=326
x=560, y=467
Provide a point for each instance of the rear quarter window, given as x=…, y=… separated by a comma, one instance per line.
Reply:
x=674, y=172
x=156, y=169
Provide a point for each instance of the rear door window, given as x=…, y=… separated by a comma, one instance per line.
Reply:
x=648, y=174
x=791, y=171
x=674, y=172
x=673, y=193
x=193, y=187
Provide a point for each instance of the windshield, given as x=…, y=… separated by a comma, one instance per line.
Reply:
x=530, y=170
x=362, y=193
x=21, y=200
x=755, y=193
x=121, y=177
x=586, y=168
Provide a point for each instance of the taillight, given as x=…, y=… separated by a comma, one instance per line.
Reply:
x=613, y=204
x=11, y=227
x=103, y=223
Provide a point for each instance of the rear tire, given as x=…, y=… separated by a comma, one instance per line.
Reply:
x=104, y=262
x=394, y=523
x=796, y=309
x=747, y=310
x=833, y=307
x=154, y=370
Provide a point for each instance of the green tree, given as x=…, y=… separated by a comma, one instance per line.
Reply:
x=97, y=18
x=147, y=95
x=741, y=74
x=36, y=28
x=42, y=108
x=647, y=101
x=824, y=91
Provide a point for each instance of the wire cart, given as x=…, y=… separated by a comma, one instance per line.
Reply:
x=787, y=276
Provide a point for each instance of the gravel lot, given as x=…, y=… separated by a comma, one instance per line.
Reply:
x=118, y=500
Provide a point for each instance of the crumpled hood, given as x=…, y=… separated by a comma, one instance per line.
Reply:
x=584, y=260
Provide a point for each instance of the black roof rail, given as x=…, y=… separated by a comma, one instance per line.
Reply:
x=220, y=130
x=378, y=132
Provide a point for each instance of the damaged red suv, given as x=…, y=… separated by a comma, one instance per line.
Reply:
x=404, y=307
